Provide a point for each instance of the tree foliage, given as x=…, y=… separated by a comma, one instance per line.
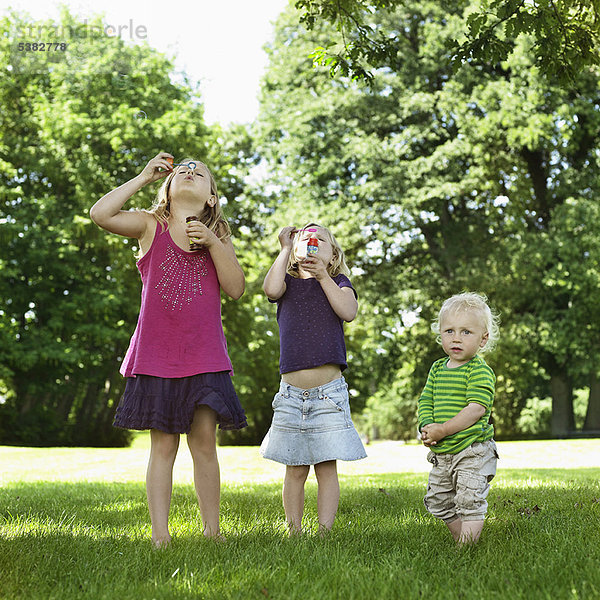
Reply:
x=440, y=180
x=434, y=178
x=565, y=35
x=74, y=125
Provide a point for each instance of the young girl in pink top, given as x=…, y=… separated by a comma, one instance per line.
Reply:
x=177, y=366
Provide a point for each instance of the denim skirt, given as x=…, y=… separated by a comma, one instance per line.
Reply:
x=168, y=404
x=312, y=426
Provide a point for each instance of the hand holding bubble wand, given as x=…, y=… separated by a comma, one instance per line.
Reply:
x=312, y=243
x=165, y=157
x=190, y=165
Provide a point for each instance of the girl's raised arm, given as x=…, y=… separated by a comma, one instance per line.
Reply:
x=274, y=284
x=107, y=213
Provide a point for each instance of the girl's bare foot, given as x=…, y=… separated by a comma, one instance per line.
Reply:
x=161, y=543
x=324, y=531
x=294, y=532
x=215, y=537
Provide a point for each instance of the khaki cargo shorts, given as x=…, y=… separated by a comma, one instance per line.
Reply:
x=459, y=483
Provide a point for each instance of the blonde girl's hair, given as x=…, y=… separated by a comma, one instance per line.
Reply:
x=337, y=264
x=471, y=302
x=212, y=216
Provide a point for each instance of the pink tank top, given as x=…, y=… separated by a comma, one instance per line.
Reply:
x=179, y=330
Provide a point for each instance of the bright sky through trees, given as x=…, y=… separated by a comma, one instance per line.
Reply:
x=218, y=44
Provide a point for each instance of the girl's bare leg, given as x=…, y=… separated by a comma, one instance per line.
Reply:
x=202, y=441
x=328, y=494
x=159, y=483
x=293, y=496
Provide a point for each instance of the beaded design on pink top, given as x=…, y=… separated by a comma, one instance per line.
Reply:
x=180, y=281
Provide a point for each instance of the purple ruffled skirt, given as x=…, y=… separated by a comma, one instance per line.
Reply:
x=168, y=404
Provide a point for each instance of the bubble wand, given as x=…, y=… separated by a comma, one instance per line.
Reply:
x=191, y=165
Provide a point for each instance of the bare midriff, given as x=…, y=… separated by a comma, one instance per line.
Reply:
x=310, y=378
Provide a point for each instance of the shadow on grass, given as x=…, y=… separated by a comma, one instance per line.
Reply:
x=110, y=506
x=92, y=540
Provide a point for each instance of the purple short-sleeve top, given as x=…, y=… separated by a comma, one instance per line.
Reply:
x=310, y=332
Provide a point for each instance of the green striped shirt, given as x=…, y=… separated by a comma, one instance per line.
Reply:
x=448, y=391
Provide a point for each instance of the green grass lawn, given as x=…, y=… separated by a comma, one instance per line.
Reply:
x=74, y=524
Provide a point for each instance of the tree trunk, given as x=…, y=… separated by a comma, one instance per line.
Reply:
x=25, y=400
x=86, y=431
x=592, y=415
x=563, y=420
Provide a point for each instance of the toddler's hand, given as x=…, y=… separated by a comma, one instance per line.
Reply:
x=425, y=438
x=431, y=434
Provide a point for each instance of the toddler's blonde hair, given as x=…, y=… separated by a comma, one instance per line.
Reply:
x=338, y=260
x=467, y=302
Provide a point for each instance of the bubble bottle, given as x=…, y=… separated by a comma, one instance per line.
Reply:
x=312, y=247
x=194, y=242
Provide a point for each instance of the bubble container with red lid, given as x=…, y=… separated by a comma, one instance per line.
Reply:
x=194, y=242
x=312, y=247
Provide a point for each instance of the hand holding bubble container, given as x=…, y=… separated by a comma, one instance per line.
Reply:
x=194, y=242
x=307, y=244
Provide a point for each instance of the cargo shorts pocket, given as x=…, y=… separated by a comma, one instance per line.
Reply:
x=471, y=494
x=432, y=458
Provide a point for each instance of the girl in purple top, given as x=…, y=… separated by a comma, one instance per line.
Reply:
x=177, y=366
x=311, y=421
